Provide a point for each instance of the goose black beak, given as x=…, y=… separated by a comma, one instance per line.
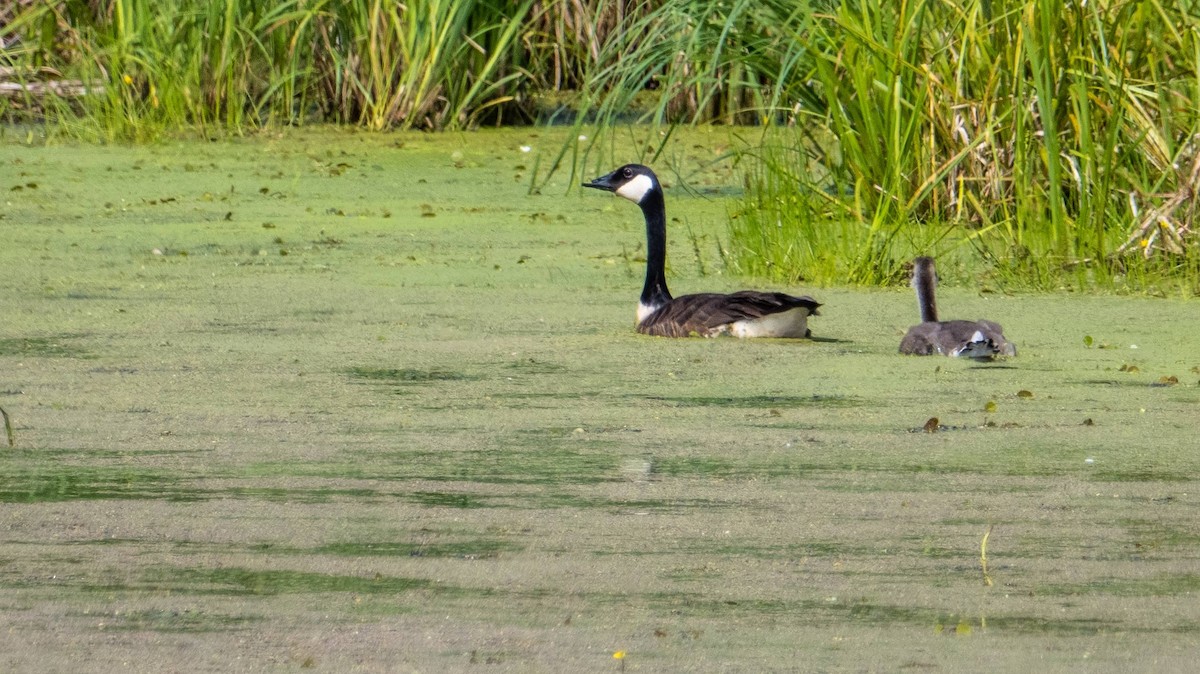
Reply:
x=605, y=182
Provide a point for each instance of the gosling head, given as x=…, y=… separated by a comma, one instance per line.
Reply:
x=632, y=181
x=923, y=272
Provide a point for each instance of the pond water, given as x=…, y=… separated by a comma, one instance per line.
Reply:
x=338, y=400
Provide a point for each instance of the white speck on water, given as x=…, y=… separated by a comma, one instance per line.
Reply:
x=1133, y=346
x=1089, y=461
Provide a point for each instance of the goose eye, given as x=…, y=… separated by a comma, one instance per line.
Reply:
x=628, y=173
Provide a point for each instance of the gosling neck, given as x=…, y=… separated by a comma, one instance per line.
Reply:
x=924, y=281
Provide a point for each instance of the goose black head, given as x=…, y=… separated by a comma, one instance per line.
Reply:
x=632, y=181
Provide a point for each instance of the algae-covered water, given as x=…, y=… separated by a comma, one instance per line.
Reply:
x=362, y=402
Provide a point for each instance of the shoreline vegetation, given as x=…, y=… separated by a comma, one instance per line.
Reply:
x=1028, y=144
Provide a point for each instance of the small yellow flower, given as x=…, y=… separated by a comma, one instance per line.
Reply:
x=619, y=655
x=127, y=79
x=1145, y=242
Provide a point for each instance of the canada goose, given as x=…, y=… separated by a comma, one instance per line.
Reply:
x=748, y=313
x=981, y=340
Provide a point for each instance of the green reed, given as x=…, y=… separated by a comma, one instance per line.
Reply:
x=235, y=65
x=1031, y=137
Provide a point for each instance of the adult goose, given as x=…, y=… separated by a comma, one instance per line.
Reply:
x=981, y=340
x=747, y=313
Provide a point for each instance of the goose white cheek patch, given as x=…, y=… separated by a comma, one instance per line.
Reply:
x=636, y=188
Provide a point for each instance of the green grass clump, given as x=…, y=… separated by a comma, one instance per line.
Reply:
x=136, y=68
x=1052, y=143
x=240, y=64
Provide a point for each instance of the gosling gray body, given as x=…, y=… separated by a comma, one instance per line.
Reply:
x=748, y=313
x=981, y=340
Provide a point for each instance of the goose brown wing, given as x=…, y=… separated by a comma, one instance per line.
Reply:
x=703, y=313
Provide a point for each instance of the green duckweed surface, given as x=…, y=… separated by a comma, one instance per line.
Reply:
x=349, y=402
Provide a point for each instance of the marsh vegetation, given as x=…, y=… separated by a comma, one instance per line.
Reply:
x=1032, y=142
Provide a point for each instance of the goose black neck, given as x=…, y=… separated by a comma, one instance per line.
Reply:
x=655, y=292
x=924, y=281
